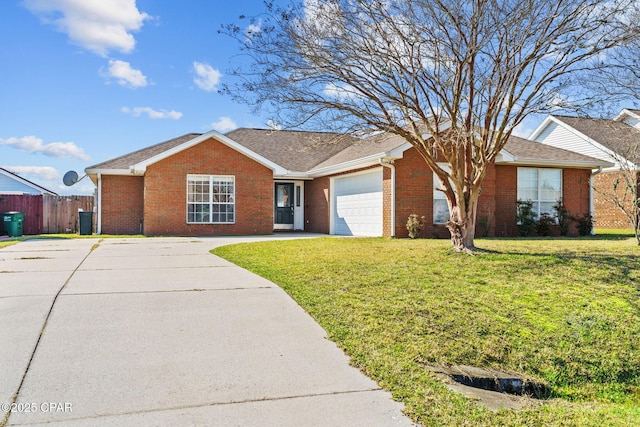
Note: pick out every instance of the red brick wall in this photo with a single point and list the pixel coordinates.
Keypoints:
(316, 205)
(576, 193)
(486, 209)
(122, 204)
(506, 198)
(166, 185)
(607, 215)
(414, 194)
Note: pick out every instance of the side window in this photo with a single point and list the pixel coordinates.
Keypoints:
(441, 212)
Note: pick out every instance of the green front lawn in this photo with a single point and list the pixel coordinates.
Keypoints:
(563, 311)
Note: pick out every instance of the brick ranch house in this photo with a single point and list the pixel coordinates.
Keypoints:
(255, 181)
(611, 140)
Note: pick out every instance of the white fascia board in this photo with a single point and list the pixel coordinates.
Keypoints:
(93, 173)
(548, 120)
(130, 171)
(624, 113)
(588, 139)
(347, 166)
(277, 169)
(505, 157)
(293, 176)
(398, 152)
(555, 163)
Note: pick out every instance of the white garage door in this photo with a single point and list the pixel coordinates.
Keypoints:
(358, 204)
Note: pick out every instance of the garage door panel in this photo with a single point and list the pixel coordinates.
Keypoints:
(358, 205)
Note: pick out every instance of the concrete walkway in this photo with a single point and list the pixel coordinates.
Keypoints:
(160, 332)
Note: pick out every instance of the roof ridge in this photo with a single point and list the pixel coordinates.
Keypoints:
(288, 130)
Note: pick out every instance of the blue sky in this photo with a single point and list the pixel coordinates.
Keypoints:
(83, 81)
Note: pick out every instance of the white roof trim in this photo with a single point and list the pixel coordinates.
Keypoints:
(505, 156)
(537, 131)
(129, 171)
(277, 169)
(577, 164)
(624, 113)
(350, 165)
(576, 132)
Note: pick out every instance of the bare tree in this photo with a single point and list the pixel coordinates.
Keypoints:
(453, 78)
(621, 188)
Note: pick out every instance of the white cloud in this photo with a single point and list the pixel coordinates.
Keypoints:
(340, 92)
(207, 76)
(39, 172)
(224, 124)
(55, 149)
(253, 29)
(125, 75)
(96, 25)
(151, 113)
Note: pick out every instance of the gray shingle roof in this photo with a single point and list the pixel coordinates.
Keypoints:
(614, 135)
(294, 150)
(526, 150)
(300, 151)
(365, 147)
(124, 162)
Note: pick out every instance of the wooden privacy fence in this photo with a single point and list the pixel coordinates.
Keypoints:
(60, 213)
(46, 214)
(30, 205)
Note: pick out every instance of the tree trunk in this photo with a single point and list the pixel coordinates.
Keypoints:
(462, 226)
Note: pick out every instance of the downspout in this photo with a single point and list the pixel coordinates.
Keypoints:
(99, 213)
(389, 164)
(592, 208)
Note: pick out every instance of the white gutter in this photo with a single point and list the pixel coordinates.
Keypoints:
(553, 163)
(99, 213)
(389, 164)
(592, 208)
(347, 166)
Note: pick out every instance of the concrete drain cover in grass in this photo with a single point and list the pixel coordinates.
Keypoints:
(494, 389)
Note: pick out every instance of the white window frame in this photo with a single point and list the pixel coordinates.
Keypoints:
(538, 201)
(438, 194)
(212, 199)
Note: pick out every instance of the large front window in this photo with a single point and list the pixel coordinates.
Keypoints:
(543, 187)
(211, 199)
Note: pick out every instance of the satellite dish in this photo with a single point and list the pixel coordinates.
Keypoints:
(70, 178)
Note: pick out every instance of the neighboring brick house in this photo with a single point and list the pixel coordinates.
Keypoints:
(616, 141)
(255, 181)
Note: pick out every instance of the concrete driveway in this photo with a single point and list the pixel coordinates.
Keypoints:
(160, 332)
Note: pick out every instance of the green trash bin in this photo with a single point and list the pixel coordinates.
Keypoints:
(12, 222)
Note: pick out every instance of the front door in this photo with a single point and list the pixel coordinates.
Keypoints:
(284, 206)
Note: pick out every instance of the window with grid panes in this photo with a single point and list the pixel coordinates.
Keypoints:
(210, 199)
(541, 186)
